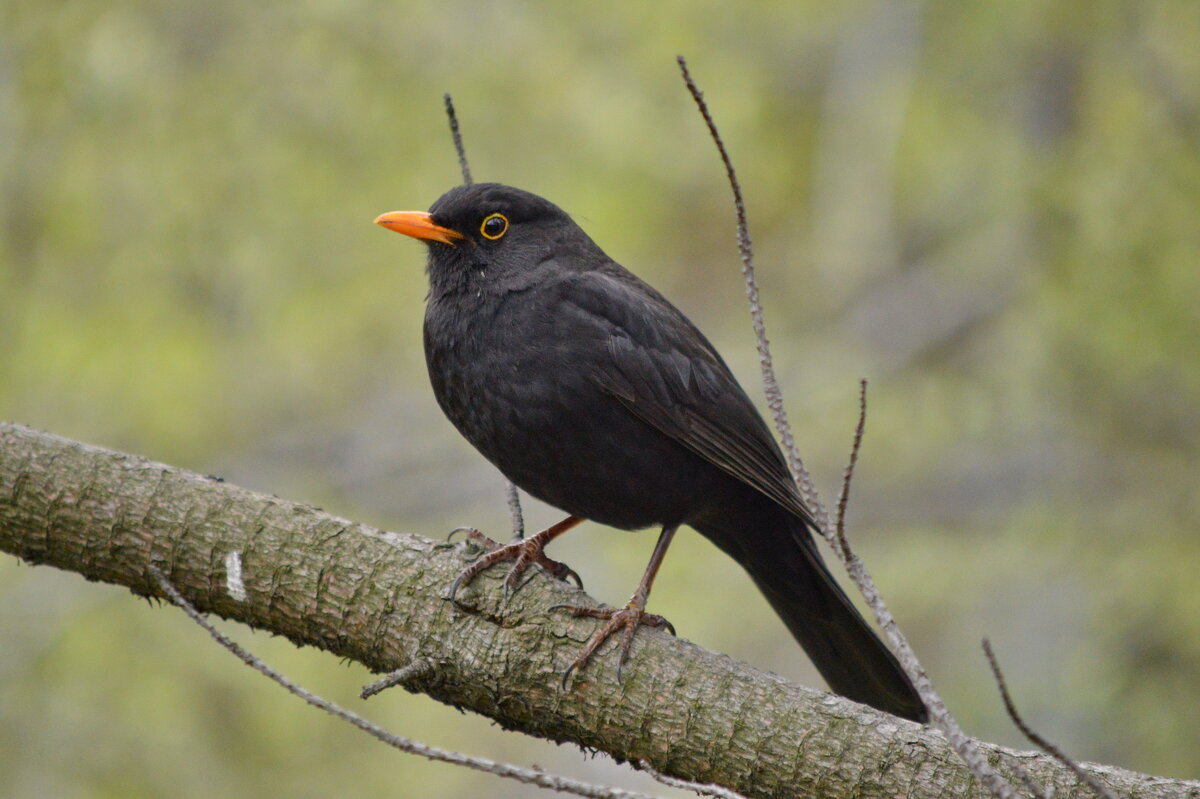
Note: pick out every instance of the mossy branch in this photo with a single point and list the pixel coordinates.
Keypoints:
(377, 597)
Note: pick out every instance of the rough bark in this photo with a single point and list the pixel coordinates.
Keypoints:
(378, 597)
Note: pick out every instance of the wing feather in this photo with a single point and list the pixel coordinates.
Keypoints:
(665, 372)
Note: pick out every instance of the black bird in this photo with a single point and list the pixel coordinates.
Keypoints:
(593, 393)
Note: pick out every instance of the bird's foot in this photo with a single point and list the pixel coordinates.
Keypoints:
(523, 552)
(626, 619)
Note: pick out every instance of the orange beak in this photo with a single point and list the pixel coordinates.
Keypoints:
(419, 225)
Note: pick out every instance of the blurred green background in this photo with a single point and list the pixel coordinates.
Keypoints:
(990, 209)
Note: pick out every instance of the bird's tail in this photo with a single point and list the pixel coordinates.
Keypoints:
(784, 562)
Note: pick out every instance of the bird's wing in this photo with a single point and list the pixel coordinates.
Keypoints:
(665, 372)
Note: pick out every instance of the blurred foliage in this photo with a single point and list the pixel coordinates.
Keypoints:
(988, 208)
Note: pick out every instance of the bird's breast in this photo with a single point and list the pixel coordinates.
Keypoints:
(502, 374)
(516, 380)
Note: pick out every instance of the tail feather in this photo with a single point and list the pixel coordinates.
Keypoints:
(788, 569)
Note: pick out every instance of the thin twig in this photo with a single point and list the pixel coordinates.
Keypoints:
(963, 745)
(848, 475)
(1035, 790)
(416, 670)
(514, 510)
(514, 499)
(770, 384)
(702, 788)
(1034, 738)
(458, 142)
(523, 775)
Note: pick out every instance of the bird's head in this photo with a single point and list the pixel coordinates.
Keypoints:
(496, 234)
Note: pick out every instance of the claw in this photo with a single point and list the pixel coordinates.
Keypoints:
(630, 617)
(458, 581)
(524, 583)
(572, 575)
(626, 619)
(457, 530)
(567, 676)
(524, 552)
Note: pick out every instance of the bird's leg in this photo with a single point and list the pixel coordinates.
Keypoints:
(629, 617)
(524, 552)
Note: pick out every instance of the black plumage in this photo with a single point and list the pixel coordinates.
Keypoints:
(593, 393)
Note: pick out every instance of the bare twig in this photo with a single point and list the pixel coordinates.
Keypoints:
(1034, 738)
(967, 750)
(514, 499)
(770, 384)
(514, 509)
(970, 754)
(1035, 790)
(458, 142)
(413, 671)
(702, 788)
(848, 475)
(523, 775)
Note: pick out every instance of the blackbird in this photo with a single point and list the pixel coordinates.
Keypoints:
(593, 393)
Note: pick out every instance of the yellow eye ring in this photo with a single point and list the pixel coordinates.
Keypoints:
(494, 226)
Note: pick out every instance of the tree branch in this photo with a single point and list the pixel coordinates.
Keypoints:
(528, 776)
(377, 597)
(966, 747)
(1033, 737)
(456, 136)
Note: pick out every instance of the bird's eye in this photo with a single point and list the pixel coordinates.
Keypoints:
(494, 226)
